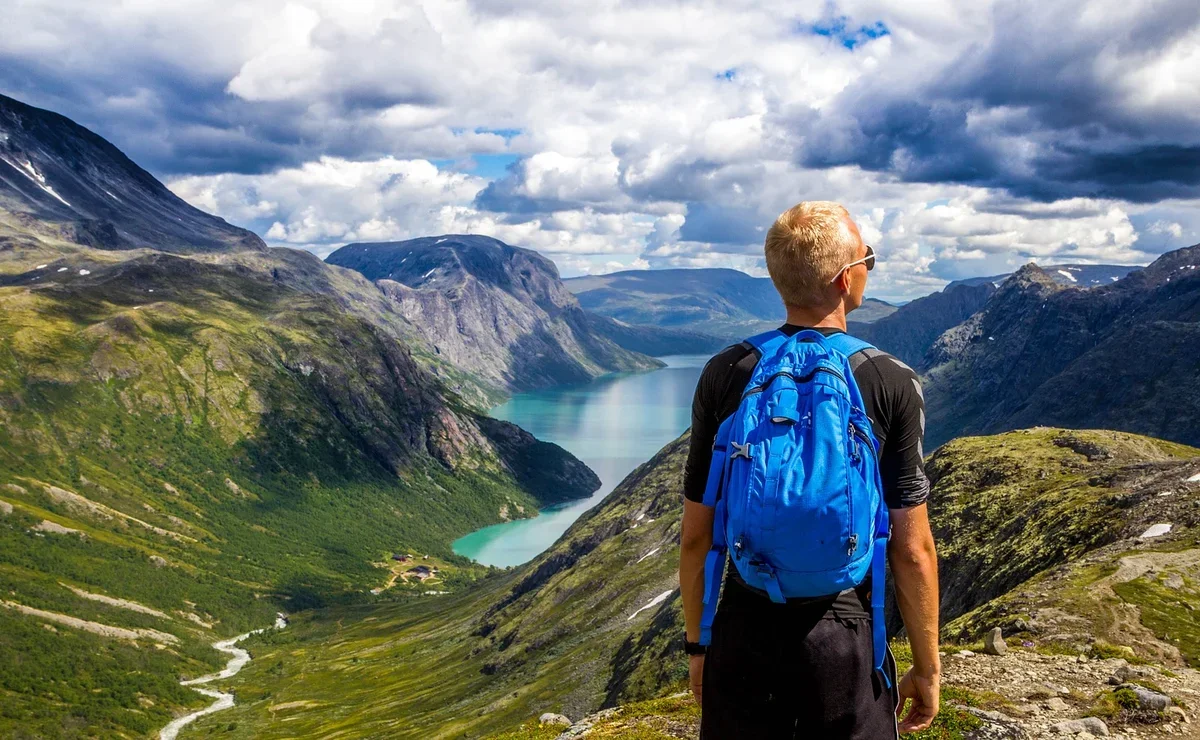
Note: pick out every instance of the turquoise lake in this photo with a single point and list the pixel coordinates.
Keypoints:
(613, 424)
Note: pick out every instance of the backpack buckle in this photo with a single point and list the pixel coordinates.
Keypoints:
(770, 581)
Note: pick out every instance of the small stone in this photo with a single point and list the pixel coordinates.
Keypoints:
(556, 720)
(5, 508)
(1126, 673)
(993, 643)
(1055, 704)
(1175, 714)
(1093, 725)
(157, 562)
(1020, 625)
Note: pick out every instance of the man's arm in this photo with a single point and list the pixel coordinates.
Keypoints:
(695, 537)
(897, 399)
(915, 571)
(695, 542)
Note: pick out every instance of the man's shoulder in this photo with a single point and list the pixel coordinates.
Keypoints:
(876, 366)
(726, 359)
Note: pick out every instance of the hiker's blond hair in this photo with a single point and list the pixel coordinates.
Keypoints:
(805, 248)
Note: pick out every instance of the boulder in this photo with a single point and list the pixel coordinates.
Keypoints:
(554, 720)
(1091, 725)
(1148, 699)
(5, 508)
(1126, 673)
(1175, 714)
(993, 643)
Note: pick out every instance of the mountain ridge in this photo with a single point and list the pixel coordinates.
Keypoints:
(57, 180)
(494, 310)
(1040, 352)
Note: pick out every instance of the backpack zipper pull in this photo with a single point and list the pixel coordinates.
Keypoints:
(853, 545)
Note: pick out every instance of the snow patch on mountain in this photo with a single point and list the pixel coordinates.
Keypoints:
(652, 603)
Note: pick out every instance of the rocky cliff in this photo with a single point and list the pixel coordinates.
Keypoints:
(911, 330)
(498, 312)
(1120, 356)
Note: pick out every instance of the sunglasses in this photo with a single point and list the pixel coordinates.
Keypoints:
(868, 261)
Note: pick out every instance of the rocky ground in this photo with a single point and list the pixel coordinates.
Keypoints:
(1022, 694)
(1027, 694)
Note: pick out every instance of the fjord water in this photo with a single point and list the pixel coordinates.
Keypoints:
(613, 424)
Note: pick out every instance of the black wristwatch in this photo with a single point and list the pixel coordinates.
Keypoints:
(693, 648)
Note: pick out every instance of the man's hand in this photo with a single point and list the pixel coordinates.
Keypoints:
(925, 693)
(696, 675)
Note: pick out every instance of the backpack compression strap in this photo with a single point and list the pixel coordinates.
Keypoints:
(878, 591)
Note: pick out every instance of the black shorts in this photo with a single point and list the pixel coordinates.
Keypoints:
(784, 671)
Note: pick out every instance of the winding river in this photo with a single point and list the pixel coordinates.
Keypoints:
(223, 700)
(613, 424)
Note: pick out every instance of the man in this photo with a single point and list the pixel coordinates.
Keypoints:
(805, 668)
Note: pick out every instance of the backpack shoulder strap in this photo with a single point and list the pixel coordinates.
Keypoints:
(766, 343)
(847, 344)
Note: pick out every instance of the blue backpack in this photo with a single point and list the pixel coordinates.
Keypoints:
(795, 483)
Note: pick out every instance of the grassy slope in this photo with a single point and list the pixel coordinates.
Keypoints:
(1078, 574)
(555, 635)
(228, 446)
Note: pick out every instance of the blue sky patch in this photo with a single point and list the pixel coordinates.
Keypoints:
(848, 36)
(487, 166)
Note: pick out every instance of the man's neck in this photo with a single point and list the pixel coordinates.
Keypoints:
(818, 317)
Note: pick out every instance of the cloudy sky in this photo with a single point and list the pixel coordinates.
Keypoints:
(966, 138)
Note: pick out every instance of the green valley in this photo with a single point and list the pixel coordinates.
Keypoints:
(195, 438)
(593, 622)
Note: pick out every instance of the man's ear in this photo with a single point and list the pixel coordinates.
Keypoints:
(843, 282)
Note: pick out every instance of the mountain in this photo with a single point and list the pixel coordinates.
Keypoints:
(724, 303)
(1120, 356)
(714, 301)
(655, 341)
(63, 183)
(495, 311)
(873, 309)
(909, 331)
(193, 440)
(1082, 276)
(594, 621)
